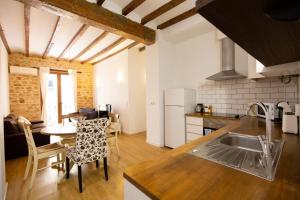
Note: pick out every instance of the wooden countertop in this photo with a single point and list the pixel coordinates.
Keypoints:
(213, 115)
(178, 175)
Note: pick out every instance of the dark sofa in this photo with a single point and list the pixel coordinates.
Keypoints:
(14, 137)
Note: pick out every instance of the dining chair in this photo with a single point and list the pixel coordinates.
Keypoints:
(113, 130)
(38, 153)
(90, 146)
(115, 123)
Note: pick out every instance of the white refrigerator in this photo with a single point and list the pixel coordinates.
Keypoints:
(177, 103)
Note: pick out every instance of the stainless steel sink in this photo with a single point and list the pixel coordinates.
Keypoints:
(241, 152)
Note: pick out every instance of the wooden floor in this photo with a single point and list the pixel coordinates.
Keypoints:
(133, 149)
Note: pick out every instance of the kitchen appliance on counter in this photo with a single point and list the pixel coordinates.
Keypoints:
(272, 107)
(290, 120)
(199, 108)
(290, 123)
(178, 102)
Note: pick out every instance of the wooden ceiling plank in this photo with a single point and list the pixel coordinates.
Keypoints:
(75, 38)
(177, 19)
(100, 2)
(117, 52)
(270, 41)
(131, 6)
(111, 46)
(27, 9)
(3, 38)
(97, 16)
(52, 38)
(161, 10)
(91, 45)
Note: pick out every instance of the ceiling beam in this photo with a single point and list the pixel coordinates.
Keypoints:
(111, 46)
(117, 52)
(27, 27)
(3, 38)
(161, 10)
(96, 41)
(91, 45)
(75, 38)
(97, 16)
(100, 2)
(54, 33)
(177, 19)
(131, 6)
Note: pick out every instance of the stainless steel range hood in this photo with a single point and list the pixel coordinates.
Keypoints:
(228, 63)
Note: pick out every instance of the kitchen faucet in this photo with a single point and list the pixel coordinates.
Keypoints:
(265, 141)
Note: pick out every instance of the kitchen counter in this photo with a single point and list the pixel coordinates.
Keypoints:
(178, 175)
(214, 115)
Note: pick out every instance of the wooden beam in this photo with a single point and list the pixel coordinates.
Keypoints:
(91, 45)
(131, 6)
(161, 10)
(97, 16)
(54, 33)
(75, 38)
(100, 2)
(27, 27)
(115, 53)
(177, 19)
(113, 45)
(3, 38)
(95, 42)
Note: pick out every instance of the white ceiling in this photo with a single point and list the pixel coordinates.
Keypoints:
(42, 24)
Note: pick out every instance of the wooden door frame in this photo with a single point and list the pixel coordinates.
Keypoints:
(59, 96)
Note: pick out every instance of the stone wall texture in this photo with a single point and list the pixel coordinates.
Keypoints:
(25, 97)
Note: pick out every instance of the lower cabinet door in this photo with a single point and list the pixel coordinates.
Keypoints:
(192, 136)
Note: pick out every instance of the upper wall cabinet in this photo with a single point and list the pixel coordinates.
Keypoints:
(253, 66)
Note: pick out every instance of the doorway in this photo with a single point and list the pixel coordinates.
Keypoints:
(60, 97)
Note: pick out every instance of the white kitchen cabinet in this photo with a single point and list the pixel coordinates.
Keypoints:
(252, 68)
(194, 128)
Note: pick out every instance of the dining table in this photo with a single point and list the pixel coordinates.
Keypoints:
(67, 134)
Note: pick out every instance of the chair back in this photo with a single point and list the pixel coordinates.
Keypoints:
(114, 117)
(91, 140)
(29, 139)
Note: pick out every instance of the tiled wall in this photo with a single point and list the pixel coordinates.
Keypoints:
(25, 90)
(234, 96)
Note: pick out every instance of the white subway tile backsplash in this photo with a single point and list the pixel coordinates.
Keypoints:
(256, 90)
(237, 106)
(237, 86)
(263, 96)
(243, 91)
(234, 96)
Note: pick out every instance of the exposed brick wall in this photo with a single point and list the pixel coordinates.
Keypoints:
(25, 90)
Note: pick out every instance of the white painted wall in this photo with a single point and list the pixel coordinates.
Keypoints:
(4, 110)
(162, 73)
(137, 90)
(120, 81)
(200, 57)
(111, 80)
(185, 63)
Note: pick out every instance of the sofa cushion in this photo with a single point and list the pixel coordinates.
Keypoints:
(35, 126)
(10, 126)
(86, 110)
(12, 116)
(92, 115)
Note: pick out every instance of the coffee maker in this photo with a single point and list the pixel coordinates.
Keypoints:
(199, 108)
